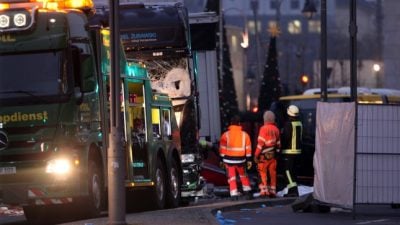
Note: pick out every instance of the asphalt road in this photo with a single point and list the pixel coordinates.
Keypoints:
(258, 212)
(284, 215)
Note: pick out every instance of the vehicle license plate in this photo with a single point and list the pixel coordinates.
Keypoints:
(7, 170)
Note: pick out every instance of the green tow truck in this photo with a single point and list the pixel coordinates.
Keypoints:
(54, 113)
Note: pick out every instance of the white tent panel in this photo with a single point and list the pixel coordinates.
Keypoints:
(334, 153)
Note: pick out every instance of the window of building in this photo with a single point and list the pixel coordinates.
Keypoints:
(271, 24)
(314, 26)
(234, 43)
(273, 4)
(295, 4)
(294, 27)
(251, 26)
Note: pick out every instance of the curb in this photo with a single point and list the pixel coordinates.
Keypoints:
(251, 204)
(191, 215)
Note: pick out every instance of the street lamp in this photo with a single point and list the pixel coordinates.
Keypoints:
(254, 6)
(245, 38)
(309, 9)
(245, 34)
(115, 152)
(377, 68)
(244, 44)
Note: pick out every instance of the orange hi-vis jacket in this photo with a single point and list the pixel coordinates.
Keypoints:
(235, 145)
(268, 139)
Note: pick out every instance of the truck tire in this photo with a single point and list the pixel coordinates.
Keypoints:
(45, 214)
(34, 214)
(174, 186)
(158, 193)
(96, 196)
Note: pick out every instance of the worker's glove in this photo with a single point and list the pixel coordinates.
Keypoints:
(222, 165)
(249, 164)
(256, 159)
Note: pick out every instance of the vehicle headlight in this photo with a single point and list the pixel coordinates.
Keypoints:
(59, 166)
(187, 158)
(4, 21)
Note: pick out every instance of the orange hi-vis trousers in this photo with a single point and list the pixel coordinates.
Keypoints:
(231, 173)
(267, 167)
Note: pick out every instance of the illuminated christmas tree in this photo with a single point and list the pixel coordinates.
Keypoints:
(227, 93)
(270, 89)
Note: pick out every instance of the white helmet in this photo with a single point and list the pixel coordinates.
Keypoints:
(292, 110)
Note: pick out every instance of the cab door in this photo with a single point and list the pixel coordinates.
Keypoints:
(137, 147)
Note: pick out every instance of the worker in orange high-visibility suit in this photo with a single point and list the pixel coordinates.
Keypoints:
(268, 142)
(235, 151)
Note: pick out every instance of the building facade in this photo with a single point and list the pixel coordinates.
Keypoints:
(298, 45)
(299, 42)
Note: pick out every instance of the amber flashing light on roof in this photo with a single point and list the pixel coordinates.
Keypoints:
(65, 4)
(51, 4)
(4, 6)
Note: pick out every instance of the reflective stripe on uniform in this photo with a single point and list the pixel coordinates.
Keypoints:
(235, 146)
(239, 149)
(291, 151)
(233, 161)
(294, 150)
(291, 183)
(294, 130)
(265, 150)
(246, 188)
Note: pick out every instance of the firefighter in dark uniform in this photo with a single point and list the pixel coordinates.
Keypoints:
(291, 140)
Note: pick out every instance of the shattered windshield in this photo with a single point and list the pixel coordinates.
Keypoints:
(170, 76)
(30, 75)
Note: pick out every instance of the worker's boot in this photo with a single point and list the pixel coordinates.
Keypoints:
(248, 195)
(264, 193)
(272, 192)
(234, 198)
(292, 192)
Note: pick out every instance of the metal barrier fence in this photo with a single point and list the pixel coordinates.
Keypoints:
(378, 155)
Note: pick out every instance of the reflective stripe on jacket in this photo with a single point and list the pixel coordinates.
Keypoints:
(268, 139)
(294, 144)
(235, 145)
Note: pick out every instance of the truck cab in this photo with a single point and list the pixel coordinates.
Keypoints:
(55, 110)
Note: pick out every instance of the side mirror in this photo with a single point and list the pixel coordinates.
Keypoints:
(78, 96)
(76, 66)
(85, 81)
(88, 85)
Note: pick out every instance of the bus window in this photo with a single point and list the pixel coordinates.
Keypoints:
(167, 122)
(137, 120)
(155, 120)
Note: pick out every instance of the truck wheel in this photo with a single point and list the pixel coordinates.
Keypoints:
(158, 193)
(33, 214)
(44, 214)
(174, 186)
(96, 192)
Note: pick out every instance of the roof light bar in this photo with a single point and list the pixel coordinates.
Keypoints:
(67, 4)
(48, 4)
(4, 6)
